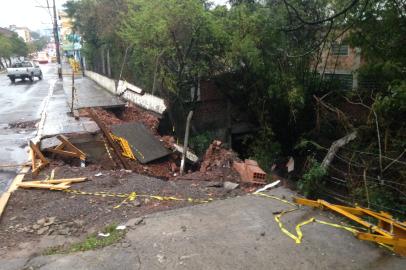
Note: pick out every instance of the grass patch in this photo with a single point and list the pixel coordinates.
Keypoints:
(91, 242)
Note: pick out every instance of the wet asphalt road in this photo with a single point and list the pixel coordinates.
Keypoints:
(21, 102)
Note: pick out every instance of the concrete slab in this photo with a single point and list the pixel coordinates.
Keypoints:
(58, 119)
(90, 94)
(238, 233)
(144, 145)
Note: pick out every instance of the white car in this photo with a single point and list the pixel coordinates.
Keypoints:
(24, 70)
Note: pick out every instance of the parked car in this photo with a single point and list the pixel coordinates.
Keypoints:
(43, 58)
(24, 70)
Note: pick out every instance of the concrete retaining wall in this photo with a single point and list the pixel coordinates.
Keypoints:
(107, 83)
(129, 92)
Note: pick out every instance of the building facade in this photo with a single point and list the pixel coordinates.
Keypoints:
(22, 32)
(340, 62)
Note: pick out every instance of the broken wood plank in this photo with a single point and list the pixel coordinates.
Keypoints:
(42, 186)
(61, 186)
(67, 149)
(58, 181)
(110, 140)
(3, 201)
(37, 157)
(70, 146)
(65, 153)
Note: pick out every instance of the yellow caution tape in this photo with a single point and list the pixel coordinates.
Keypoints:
(299, 234)
(275, 198)
(130, 198)
(107, 149)
(133, 195)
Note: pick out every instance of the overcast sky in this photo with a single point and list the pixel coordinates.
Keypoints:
(25, 13)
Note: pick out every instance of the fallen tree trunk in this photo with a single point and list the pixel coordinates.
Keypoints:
(335, 146)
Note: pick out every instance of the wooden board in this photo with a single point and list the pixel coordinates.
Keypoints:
(43, 186)
(58, 181)
(14, 185)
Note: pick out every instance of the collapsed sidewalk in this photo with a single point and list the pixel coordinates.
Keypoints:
(57, 160)
(106, 191)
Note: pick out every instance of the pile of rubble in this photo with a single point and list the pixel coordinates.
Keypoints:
(217, 165)
(131, 141)
(217, 157)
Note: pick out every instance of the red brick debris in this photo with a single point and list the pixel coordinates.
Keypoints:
(217, 157)
(250, 171)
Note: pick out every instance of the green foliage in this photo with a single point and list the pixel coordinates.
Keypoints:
(312, 179)
(381, 198)
(268, 56)
(392, 106)
(201, 142)
(98, 22)
(38, 44)
(5, 46)
(179, 40)
(12, 46)
(265, 149)
(91, 242)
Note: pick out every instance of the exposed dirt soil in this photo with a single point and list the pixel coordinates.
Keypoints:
(135, 114)
(76, 215)
(107, 117)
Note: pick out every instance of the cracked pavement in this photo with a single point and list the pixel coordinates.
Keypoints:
(237, 233)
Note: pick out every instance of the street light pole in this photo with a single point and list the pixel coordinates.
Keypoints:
(57, 44)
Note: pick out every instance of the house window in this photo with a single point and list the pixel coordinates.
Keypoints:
(340, 81)
(339, 49)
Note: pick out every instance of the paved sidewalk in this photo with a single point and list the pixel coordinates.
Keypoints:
(88, 93)
(238, 233)
(58, 119)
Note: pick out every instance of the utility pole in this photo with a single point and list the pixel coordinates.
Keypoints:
(56, 38)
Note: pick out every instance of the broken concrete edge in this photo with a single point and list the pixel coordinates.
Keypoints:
(136, 96)
(50, 141)
(44, 107)
(124, 85)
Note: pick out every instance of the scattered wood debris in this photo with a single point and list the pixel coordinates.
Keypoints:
(38, 160)
(53, 184)
(67, 149)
